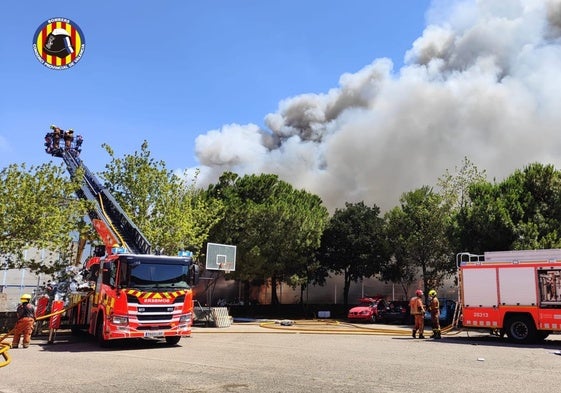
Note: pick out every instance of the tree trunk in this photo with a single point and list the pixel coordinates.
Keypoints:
(426, 289)
(404, 287)
(246, 288)
(302, 289)
(346, 288)
(274, 296)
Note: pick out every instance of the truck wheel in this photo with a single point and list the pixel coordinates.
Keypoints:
(103, 343)
(172, 340)
(521, 329)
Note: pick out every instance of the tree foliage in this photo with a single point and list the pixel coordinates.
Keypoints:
(418, 237)
(454, 187)
(275, 228)
(38, 209)
(353, 243)
(171, 212)
(521, 212)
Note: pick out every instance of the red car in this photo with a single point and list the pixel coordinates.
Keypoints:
(369, 310)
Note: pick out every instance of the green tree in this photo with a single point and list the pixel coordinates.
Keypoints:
(454, 187)
(353, 244)
(455, 191)
(169, 210)
(485, 224)
(521, 212)
(417, 234)
(38, 209)
(275, 228)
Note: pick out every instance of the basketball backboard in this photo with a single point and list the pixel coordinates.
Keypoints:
(220, 257)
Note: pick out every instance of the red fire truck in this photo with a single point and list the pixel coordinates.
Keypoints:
(517, 293)
(133, 294)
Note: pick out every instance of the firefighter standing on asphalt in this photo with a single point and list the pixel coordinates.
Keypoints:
(434, 308)
(26, 320)
(418, 311)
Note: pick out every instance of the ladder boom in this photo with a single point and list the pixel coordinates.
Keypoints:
(107, 209)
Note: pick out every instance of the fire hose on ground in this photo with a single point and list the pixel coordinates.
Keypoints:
(53, 316)
(283, 326)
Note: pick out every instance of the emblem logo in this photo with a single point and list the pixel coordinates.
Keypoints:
(59, 43)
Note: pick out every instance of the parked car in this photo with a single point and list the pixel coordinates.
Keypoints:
(368, 310)
(447, 308)
(397, 312)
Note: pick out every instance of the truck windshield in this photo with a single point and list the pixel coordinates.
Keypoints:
(154, 274)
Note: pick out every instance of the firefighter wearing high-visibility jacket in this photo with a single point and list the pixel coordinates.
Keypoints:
(417, 309)
(26, 320)
(434, 308)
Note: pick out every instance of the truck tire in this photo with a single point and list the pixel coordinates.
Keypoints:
(172, 340)
(102, 342)
(521, 329)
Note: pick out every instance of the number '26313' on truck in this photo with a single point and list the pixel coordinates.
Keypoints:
(517, 293)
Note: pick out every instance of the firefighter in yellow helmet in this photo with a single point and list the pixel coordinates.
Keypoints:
(26, 319)
(417, 309)
(434, 308)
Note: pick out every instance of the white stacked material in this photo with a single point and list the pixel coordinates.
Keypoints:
(221, 317)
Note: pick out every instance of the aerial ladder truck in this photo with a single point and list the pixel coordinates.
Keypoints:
(132, 293)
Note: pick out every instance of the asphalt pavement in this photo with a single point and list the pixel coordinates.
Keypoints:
(272, 356)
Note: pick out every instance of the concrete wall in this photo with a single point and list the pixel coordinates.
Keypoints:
(331, 293)
(7, 322)
(15, 282)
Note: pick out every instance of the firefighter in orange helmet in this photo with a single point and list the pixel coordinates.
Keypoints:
(68, 137)
(57, 135)
(434, 308)
(26, 320)
(418, 311)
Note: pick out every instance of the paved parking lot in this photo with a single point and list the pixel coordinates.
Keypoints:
(254, 358)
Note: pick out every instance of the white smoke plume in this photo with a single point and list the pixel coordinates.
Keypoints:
(483, 81)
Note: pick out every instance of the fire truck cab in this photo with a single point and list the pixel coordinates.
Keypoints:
(517, 293)
(136, 296)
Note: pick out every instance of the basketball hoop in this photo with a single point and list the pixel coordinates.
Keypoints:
(221, 257)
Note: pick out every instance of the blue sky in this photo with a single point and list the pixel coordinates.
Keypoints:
(360, 100)
(169, 72)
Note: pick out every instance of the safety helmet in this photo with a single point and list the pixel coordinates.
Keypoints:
(432, 293)
(419, 293)
(59, 43)
(25, 297)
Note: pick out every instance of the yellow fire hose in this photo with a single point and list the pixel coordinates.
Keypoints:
(4, 347)
(336, 327)
(312, 327)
